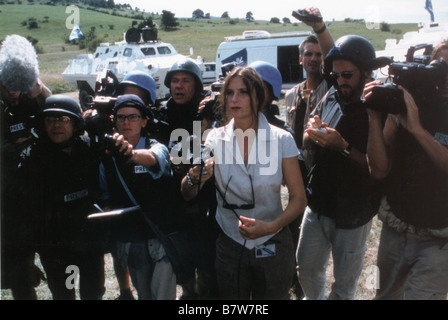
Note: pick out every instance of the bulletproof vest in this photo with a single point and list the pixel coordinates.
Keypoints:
(153, 196)
(59, 189)
(18, 121)
(338, 188)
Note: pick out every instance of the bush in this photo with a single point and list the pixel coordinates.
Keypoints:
(385, 27)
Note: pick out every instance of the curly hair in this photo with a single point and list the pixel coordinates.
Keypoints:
(19, 67)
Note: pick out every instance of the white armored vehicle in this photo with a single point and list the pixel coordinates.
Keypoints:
(139, 51)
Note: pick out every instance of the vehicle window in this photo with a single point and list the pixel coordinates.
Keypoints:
(148, 51)
(164, 50)
(127, 52)
(209, 67)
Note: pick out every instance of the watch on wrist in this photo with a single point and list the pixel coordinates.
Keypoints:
(189, 181)
(347, 151)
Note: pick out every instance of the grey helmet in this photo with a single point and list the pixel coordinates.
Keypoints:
(356, 49)
(189, 66)
(59, 104)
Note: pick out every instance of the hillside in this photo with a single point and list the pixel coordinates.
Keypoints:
(204, 36)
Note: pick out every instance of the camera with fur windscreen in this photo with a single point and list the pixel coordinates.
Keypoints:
(419, 75)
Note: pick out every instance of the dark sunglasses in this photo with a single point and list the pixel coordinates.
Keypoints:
(247, 206)
(344, 74)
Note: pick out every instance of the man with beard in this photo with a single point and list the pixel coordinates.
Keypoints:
(342, 197)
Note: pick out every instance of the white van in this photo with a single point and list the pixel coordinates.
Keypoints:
(280, 49)
(208, 76)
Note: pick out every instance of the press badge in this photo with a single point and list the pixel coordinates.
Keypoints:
(265, 250)
(76, 195)
(17, 127)
(140, 169)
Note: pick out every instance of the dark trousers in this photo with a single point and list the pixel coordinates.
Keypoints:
(57, 259)
(242, 275)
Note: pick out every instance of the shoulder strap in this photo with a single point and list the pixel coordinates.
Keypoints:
(124, 183)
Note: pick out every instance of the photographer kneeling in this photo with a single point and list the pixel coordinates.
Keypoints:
(410, 154)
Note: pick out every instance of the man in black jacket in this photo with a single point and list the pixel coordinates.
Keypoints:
(185, 110)
(341, 194)
(54, 190)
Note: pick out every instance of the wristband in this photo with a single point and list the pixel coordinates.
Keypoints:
(189, 181)
(347, 151)
(321, 29)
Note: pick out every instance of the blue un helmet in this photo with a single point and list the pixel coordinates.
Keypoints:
(270, 74)
(142, 80)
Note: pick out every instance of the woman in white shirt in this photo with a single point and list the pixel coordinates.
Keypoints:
(254, 253)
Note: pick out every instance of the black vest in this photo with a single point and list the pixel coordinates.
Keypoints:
(416, 189)
(154, 196)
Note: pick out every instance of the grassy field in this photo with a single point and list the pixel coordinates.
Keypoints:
(204, 36)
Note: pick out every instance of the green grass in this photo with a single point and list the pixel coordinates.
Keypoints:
(204, 36)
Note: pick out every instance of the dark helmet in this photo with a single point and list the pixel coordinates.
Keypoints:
(131, 100)
(270, 74)
(142, 80)
(188, 66)
(356, 49)
(59, 104)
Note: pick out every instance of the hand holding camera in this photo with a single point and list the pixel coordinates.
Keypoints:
(118, 146)
(308, 15)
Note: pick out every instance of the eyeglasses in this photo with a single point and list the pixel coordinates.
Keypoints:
(344, 74)
(247, 206)
(132, 117)
(64, 120)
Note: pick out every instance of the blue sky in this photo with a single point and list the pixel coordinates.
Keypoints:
(371, 10)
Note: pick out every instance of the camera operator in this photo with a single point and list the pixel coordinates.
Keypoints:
(54, 190)
(22, 96)
(409, 154)
(143, 164)
(143, 85)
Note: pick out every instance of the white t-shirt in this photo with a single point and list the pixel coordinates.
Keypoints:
(263, 174)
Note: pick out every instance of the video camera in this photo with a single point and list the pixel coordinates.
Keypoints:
(98, 116)
(225, 69)
(210, 111)
(418, 75)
